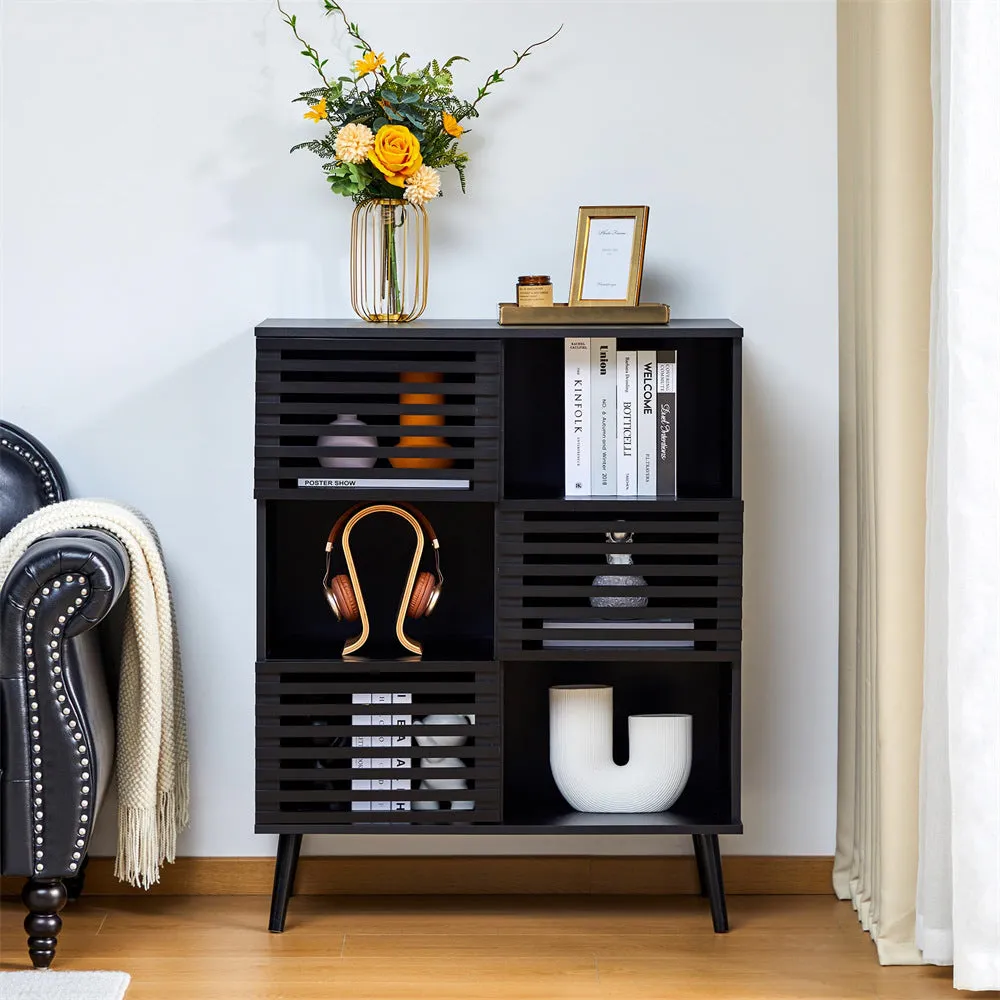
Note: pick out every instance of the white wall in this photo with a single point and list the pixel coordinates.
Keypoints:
(152, 215)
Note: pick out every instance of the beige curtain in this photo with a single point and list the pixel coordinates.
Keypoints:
(885, 142)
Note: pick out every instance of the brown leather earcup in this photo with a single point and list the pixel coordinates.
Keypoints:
(341, 589)
(420, 598)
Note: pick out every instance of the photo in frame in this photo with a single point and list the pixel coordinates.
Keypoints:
(607, 260)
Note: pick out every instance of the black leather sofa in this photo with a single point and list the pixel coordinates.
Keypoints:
(57, 729)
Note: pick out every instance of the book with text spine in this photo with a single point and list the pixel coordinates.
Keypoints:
(399, 744)
(666, 423)
(382, 716)
(603, 394)
(627, 425)
(646, 417)
(361, 763)
(578, 416)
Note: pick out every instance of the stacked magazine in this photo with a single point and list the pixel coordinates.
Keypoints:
(621, 419)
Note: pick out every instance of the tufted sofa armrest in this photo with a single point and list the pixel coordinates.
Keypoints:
(57, 730)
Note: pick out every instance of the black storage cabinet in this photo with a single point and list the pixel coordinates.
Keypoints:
(515, 551)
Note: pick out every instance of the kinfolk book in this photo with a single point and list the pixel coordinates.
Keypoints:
(627, 424)
(578, 416)
(603, 386)
(666, 423)
(646, 417)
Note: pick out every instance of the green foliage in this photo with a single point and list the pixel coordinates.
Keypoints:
(390, 95)
(347, 178)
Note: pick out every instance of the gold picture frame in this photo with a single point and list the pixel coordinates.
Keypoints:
(599, 264)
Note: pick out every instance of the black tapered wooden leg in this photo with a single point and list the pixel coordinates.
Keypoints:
(713, 877)
(44, 898)
(285, 863)
(699, 857)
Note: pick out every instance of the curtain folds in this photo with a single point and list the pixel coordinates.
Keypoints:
(885, 142)
(958, 895)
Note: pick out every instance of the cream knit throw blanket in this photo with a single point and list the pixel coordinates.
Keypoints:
(151, 753)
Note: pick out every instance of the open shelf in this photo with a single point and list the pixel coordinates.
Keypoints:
(709, 692)
(296, 621)
(708, 414)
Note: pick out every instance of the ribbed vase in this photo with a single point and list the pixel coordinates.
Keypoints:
(580, 753)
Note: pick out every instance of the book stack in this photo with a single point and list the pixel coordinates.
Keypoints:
(384, 712)
(621, 419)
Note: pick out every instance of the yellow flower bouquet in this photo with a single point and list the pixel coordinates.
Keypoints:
(389, 129)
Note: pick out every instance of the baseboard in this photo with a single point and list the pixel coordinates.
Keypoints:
(320, 876)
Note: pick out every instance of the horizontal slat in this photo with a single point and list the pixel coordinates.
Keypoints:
(487, 751)
(648, 591)
(384, 343)
(485, 365)
(484, 730)
(515, 651)
(292, 430)
(590, 569)
(510, 548)
(318, 472)
(639, 528)
(486, 408)
(489, 771)
(266, 797)
(395, 389)
(383, 451)
(301, 821)
(511, 609)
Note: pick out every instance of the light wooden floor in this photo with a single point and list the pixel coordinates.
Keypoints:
(462, 948)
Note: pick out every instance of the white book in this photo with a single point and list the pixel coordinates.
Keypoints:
(627, 425)
(603, 396)
(361, 763)
(646, 407)
(399, 744)
(382, 716)
(578, 407)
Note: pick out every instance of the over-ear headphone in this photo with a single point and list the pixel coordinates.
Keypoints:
(421, 593)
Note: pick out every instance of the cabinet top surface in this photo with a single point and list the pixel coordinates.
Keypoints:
(486, 329)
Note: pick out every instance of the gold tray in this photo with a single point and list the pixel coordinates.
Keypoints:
(561, 314)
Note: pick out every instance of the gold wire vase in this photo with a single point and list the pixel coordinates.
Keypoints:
(390, 248)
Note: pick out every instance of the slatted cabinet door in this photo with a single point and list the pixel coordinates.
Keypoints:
(338, 744)
(303, 385)
(686, 570)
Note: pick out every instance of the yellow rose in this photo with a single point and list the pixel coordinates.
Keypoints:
(450, 124)
(396, 153)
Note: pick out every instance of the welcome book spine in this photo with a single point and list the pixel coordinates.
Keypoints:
(578, 416)
(646, 407)
(603, 383)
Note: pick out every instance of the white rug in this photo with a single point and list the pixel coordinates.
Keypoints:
(45, 984)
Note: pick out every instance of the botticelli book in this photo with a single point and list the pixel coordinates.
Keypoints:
(627, 425)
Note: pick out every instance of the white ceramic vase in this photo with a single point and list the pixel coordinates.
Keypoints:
(580, 754)
(347, 441)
